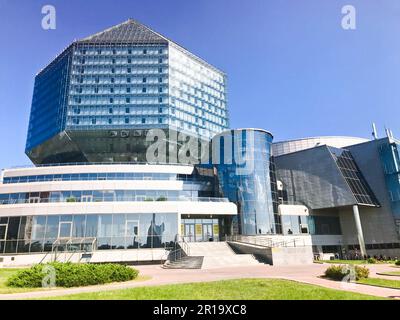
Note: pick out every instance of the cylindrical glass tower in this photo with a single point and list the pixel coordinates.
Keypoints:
(242, 158)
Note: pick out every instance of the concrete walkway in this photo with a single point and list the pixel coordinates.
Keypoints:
(309, 274)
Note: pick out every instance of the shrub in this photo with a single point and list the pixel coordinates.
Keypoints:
(371, 260)
(361, 272)
(338, 272)
(397, 263)
(73, 275)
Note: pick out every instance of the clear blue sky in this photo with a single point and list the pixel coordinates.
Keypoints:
(291, 68)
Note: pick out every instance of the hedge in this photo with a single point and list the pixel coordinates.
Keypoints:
(397, 263)
(338, 272)
(72, 275)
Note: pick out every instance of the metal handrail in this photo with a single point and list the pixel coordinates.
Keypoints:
(265, 242)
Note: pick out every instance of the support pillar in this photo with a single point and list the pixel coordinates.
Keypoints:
(360, 235)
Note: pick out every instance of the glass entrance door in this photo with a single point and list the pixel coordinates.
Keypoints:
(189, 233)
(207, 232)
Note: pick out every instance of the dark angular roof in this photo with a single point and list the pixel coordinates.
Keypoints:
(129, 31)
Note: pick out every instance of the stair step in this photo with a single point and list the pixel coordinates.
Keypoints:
(184, 263)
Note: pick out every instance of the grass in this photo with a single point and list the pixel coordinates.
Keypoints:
(386, 283)
(240, 289)
(355, 262)
(5, 273)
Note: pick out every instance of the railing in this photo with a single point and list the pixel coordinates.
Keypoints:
(97, 163)
(106, 199)
(98, 177)
(266, 242)
(181, 249)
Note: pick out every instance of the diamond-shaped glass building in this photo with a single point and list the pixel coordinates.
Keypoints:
(97, 100)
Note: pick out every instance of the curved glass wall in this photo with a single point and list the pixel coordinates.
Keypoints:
(30, 234)
(98, 176)
(243, 162)
(107, 196)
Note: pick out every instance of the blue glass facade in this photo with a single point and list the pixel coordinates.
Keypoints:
(389, 152)
(95, 102)
(49, 102)
(244, 171)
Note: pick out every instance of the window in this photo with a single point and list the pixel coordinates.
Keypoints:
(109, 121)
(112, 80)
(114, 51)
(159, 70)
(112, 90)
(143, 120)
(144, 90)
(159, 110)
(97, 80)
(99, 51)
(126, 120)
(112, 70)
(128, 100)
(144, 80)
(110, 110)
(127, 110)
(129, 60)
(159, 120)
(75, 121)
(144, 51)
(160, 99)
(129, 70)
(160, 60)
(111, 100)
(77, 111)
(160, 80)
(160, 89)
(94, 121)
(83, 70)
(129, 51)
(96, 90)
(128, 90)
(128, 80)
(113, 61)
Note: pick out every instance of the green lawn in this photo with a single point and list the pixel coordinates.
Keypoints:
(241, 289)
(355, 262)
(395, 284)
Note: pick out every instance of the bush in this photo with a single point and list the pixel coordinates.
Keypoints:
(72, 275)
(397, 263)
(371, 260)
(339, 272)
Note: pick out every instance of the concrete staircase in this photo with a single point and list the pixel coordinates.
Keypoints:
(219, 254)
(184, 263)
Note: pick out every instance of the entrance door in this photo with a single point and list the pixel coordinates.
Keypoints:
(189, 233)
(207, 232)
(65, 229)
